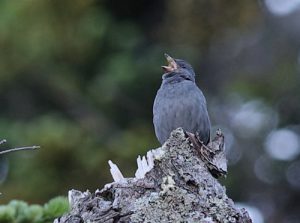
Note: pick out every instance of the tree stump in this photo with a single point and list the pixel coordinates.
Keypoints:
(175, 183)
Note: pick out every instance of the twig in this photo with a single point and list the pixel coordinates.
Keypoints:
(18, 149)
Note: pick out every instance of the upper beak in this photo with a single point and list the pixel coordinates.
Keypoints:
(171, 64)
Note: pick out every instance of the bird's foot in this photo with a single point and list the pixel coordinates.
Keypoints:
(204, 150)
(194, 139)
(208, 155)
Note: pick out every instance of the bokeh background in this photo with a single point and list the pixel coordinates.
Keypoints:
(79, 78)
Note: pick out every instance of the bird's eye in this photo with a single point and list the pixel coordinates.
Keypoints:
(185, 77)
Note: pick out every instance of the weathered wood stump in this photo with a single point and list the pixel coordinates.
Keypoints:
(175, 183)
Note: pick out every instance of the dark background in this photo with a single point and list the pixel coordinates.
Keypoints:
(79, 78)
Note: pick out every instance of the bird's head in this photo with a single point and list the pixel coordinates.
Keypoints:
(178, 69)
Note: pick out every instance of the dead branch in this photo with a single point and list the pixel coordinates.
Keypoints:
(16, 149)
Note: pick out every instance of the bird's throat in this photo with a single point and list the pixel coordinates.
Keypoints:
(174, 77)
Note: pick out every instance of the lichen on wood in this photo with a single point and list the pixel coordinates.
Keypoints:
(180, 187)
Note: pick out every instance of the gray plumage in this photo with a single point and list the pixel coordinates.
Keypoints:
(180, 103)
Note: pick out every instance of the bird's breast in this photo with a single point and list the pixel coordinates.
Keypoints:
(179, 105)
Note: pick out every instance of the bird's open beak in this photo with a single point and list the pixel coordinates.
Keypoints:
(171, 64)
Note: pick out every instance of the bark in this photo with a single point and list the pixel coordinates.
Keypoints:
(176, 183)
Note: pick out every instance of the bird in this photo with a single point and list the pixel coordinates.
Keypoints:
(180, 103)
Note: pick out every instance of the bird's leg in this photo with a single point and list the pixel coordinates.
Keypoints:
(206, 147)
(205, 152)
(194, 140)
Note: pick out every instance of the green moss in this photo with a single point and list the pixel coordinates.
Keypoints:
(20, 212)
(56, 207)
(7, 213)
(33, 213)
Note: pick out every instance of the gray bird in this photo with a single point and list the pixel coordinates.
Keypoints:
(180, 103)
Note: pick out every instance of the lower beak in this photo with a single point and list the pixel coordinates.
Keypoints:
(171, 64)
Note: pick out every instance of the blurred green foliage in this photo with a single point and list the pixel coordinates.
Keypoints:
(17, 211)
(67, 76)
